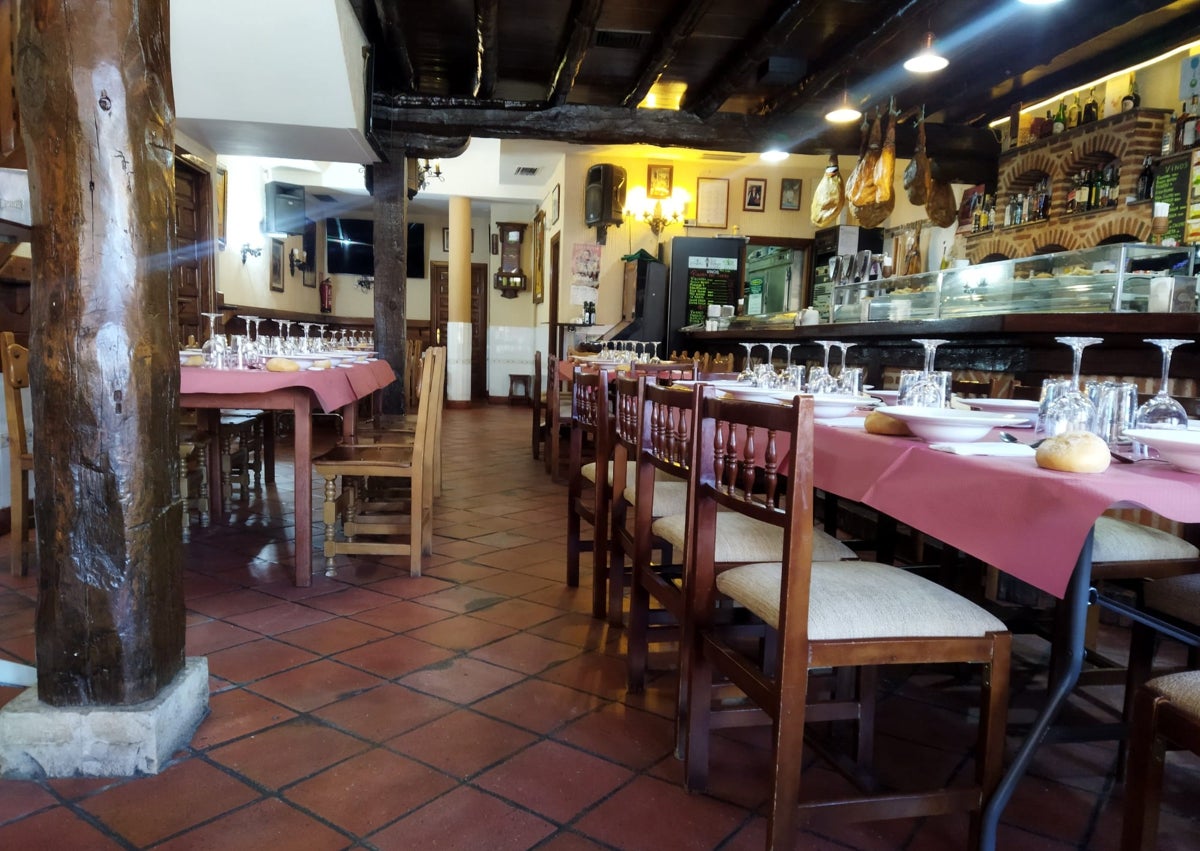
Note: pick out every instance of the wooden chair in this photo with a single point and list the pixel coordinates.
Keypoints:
(20, 457)
(558, 416)
(193, 468)
(368, 503)
(969, 389)
(845, 615)
(538, 435)
(590, 484)
(663, 460)
(1166, 716)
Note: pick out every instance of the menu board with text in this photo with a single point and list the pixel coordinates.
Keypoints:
(1171, 184)
(711, 280)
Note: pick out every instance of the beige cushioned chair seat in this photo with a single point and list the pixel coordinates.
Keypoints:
(1183, 690)
(670, 494)
(1177, 596)
(588, 471)
(742, 538)
(1121, 540)
(863, 599)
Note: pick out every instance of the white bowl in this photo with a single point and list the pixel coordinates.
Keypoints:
(949, 425)
(1179, 446)
(1020, 407)
(828, 406)
(888, 397)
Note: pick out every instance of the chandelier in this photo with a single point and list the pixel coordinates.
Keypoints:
(429, 171)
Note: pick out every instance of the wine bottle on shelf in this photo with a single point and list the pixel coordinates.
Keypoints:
(1091, 110)
(1145, 180)
(1132, 98)
(1073, 195)
(1073, 112)
(1060, 118)
(1188, 136)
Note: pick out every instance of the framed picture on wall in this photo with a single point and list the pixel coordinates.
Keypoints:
(221, 192)
(446, 240)
(712, 202)
(789, 193)
(755, 197)
(659, 182)
(277, 265)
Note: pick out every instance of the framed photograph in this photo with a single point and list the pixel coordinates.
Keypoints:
(495, 243)
(446, 240)
(659, 182)
(754, 198)
(277, 265)
(712, 202)
(221, 194)
(789, 193)
(539, 257)
(555, 203)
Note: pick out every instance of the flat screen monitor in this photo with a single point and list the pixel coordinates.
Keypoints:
(350, 246)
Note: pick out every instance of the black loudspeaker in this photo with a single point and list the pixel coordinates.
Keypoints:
(284, 209)
(604, 195)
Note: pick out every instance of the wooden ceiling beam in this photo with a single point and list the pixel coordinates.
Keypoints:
(399, 59)
(666, 47)
(585, 14)
(772, 31)
(486, 16)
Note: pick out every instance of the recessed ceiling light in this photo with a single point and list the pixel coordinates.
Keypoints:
(1040, 2)
(927, 60)
(774, 156)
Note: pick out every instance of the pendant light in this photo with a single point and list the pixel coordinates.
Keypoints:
(927, 60)
(1040, 2)
(844, 112)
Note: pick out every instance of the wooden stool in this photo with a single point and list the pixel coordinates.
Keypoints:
(519, 385)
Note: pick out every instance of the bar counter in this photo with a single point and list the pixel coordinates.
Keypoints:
(1021, 344)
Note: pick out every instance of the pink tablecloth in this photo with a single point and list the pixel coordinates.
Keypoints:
(332, 388)
(1008, 512)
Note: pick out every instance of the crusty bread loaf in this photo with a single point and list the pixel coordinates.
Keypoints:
(324, 363)
(880, 423)
(193, 360)
(282, 365)
(1074, 452)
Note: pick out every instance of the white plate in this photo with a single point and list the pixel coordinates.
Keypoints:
(949, 425)
(827, 406)
(1179, 446)
(888, 397)
(1022, 407)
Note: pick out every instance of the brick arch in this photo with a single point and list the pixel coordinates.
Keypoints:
(1034, 161)
(992, 245)
(1063, 236)
(1125, 223)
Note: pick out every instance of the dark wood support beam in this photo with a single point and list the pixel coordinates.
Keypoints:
(768, 35)
(396, 43)
(582, 24)
(391, 230)
(97, 116)
(666, 46)
(486, 13)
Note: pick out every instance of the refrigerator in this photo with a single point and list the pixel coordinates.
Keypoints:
(832, 242)
(704, 271)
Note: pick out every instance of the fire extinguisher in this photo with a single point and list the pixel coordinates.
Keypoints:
(326, 296)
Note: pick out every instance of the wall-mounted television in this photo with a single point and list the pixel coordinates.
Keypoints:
(350, 246)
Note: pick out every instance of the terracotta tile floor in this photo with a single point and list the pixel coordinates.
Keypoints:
(480, 706)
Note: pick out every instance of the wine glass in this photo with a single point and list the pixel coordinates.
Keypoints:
(1161, 411)
(1073, 410)
(928, 391)
(654, 357)
(214, 347)
(819, 379)
(747, 373)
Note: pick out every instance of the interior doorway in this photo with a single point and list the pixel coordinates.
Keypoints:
(192, 257)
(439, 316)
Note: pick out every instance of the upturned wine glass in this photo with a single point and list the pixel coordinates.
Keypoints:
(928, 391)
(1073, 410)
(214, 347)
(821, 381)
(1161, 411)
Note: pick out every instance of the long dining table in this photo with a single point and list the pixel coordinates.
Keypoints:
(334, 390)
(1031, 523)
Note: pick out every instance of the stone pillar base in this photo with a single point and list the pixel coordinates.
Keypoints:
(38, 740)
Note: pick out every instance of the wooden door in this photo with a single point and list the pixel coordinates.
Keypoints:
(479, 331)
(192, 263)
(553, 345)
(439, 301)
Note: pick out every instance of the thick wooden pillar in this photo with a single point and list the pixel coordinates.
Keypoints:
(391, 283)
(97, 113)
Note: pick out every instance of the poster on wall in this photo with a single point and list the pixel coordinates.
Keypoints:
(585, 272)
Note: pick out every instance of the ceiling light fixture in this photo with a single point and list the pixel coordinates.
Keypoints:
(428, 171)
(927, 60)
(1040, 2)
(773, 156)
(844, 112)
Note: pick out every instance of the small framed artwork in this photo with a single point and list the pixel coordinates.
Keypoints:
(712, 202)
(755, 197)
(446, 240)
(659, 181)
(221, 190)
(555, 202)
(789, 193)
(495, 243)
(277, 265)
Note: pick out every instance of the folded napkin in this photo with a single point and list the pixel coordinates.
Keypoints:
(844, 422)
(1003, 450)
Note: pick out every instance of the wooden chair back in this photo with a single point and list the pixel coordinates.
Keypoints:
(538, 391)
(15, 358)
(664, 371)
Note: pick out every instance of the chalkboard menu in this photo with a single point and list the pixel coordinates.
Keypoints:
(1171, 182)
(711, 280)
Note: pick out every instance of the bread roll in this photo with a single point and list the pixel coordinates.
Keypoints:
(1074, 452)
(282, 365)
(322, 364)
(194, 360)
(879, 423)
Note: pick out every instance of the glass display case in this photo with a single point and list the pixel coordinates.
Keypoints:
(1126, 277)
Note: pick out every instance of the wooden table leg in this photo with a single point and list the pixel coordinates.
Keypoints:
(303, 488)
(268, 449)
(209, 420)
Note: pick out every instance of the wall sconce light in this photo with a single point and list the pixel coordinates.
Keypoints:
(659, 213)
(429, 171)
(246, 249)
(297, 259)
(365, 283)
